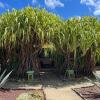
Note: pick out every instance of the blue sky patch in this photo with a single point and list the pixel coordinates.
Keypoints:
(63, 8)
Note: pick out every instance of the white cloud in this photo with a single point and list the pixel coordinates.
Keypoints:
(93, 4)
(2, 5)
(34, 1)
(88, 2)
(54, 3)
(97, 12)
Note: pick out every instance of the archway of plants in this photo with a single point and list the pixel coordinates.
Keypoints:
(23, 34)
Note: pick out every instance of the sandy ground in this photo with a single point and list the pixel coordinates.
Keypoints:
(60, 94)
(53, 92)
(54, 88)
(64, 93)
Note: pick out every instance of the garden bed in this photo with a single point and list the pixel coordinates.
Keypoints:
(89, 92)
(12, 94)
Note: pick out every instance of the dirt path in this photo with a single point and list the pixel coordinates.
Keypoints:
(55, 89)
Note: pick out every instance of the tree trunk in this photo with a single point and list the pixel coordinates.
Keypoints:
(89, 62)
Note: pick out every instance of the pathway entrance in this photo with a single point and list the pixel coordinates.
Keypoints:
(55, 88)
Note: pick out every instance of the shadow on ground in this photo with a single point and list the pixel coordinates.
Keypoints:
(51, 79)
(46, 79)
(14, 84)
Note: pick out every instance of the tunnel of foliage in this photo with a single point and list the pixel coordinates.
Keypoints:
(73, 43)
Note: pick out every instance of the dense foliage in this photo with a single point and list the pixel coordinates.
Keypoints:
(23, 33)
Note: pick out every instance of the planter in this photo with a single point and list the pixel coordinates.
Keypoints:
(30, 75)
(70, 73)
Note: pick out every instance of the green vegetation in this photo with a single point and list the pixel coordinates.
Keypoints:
(28, 96)
(4, 78)
(23, 33)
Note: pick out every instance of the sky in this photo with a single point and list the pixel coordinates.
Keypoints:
(64, 8)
